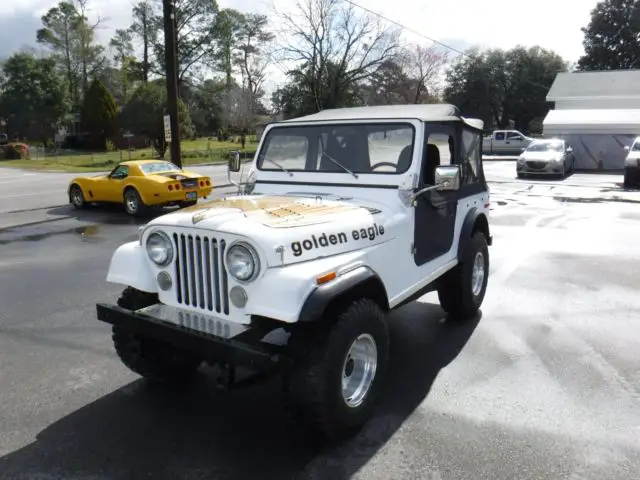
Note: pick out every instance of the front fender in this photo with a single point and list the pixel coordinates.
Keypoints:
(282, 292)
(129, 266)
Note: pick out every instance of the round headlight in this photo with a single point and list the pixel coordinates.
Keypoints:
(159, 248)
(242, 262)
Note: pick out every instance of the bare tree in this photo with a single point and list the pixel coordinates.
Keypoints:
(425, 66)
(335, 47)
(252, 58)
(145, 26)
(238, 112)
(90, 54)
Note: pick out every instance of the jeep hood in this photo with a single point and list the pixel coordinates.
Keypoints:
(289, 229)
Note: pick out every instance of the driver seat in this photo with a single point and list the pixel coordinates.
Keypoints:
(432, 161)
(404, 159)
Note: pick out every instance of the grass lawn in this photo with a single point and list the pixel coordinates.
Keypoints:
(197, 151)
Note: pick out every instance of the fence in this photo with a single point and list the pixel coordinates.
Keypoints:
(192, 152)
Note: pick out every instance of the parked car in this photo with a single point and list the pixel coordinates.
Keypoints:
(139, 184)
(546, 157)
(505, 142)
(632, 165)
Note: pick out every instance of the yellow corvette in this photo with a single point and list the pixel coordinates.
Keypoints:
(139, 184)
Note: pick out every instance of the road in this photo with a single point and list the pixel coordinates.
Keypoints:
(545, 385)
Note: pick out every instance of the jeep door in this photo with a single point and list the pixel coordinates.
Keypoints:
(435, 211)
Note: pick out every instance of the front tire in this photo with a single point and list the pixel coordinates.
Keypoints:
(463, 288)
(148, 357)
(76, 197)
(338, 375)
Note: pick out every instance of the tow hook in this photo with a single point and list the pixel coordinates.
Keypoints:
(225, 376)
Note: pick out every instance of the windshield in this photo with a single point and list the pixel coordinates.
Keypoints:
(636, 147)
(545, 147)
(157, 167)
(353, 149)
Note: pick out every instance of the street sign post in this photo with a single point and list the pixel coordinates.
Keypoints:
(167, 128)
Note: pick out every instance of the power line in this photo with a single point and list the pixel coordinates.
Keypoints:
(449, 47)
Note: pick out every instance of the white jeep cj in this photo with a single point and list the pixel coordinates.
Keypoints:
(346, 214)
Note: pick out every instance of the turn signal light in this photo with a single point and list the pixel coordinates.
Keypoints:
(170, 187)
(327, 277)
(207, 183)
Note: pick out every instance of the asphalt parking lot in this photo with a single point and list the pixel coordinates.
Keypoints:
(545, 385)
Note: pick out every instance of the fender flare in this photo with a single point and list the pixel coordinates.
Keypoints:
(320, 298)
(129, 267)
(473, 220)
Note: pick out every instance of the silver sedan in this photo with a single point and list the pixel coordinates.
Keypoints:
(546, 157)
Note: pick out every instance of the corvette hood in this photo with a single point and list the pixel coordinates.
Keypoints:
(289, 229)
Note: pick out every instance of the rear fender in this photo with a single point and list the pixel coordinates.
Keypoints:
(129, 266)
(474, 220)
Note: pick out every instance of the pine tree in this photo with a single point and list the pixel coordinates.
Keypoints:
(99, 112)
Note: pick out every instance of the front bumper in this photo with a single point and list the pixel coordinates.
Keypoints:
(212, 338)
(539, 168)
(631, 176)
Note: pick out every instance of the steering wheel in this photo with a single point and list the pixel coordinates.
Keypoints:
(383, 164)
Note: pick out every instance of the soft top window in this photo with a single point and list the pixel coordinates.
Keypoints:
(357, 148)
(157, 167)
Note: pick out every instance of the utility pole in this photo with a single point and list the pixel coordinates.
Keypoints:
(170, 55)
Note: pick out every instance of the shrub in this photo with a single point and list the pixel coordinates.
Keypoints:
(15, 151)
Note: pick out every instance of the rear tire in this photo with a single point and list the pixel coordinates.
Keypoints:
(150, 358)
(338, 374)
(133, 204)
(463, 288)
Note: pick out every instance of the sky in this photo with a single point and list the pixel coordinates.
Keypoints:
(457, 23)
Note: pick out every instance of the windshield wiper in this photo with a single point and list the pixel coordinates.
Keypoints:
(277, 165)
(339, 164)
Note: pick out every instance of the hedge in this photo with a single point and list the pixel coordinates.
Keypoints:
(15, 151)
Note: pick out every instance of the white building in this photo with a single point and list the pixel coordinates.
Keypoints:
(597, 113)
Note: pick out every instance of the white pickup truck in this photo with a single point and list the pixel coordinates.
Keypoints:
(505, 142)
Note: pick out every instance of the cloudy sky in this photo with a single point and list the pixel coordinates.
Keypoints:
(551, 24)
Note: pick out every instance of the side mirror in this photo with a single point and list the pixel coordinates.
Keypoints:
(447, 177)
(522, 149)
(569, 150)
(627, 148)
(234, 162)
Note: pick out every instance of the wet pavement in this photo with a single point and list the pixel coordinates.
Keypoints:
(544, 385)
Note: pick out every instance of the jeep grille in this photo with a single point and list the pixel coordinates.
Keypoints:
(201, 279)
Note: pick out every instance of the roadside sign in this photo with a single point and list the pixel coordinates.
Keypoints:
(167, 128)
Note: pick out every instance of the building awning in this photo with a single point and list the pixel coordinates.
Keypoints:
(596, 121)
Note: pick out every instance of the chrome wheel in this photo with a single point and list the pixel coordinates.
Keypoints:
(131, 201)
(359, 370)
(76, 197)
(477, 274)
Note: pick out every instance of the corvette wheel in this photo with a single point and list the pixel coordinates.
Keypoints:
(76, 197)
(133, 204)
